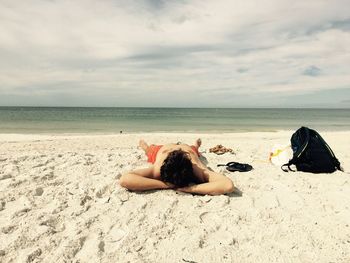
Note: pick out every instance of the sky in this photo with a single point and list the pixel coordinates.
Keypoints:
(175, 53)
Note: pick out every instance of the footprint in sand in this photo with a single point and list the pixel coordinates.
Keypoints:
(221, 237)
(74, 247)
(21, 212)
(54, 223)
(8, 229)
(48, 176)
(103, 191)
(85, 199)
(114, 239)
(118, 176)
(38, 191)
(2, 205)
(9, 171)
(101, 247)
(5, 176)
(123, 196)
(33, 255)
(41, 164)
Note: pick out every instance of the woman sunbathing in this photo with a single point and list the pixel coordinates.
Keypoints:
(176, 166)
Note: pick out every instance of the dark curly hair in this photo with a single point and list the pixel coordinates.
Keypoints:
(177, 169)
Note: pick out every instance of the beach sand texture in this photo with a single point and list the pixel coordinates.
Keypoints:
(60, 202)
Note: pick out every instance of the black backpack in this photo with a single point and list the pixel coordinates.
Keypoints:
(311, 153)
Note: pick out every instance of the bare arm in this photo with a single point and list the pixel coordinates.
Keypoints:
(142, 179)
(216, 184)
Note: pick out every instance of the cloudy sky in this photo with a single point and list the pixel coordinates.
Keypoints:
(175, 53)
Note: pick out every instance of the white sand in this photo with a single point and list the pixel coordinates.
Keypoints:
(60, 202)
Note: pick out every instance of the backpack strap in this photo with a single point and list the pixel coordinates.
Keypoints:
(288, 166)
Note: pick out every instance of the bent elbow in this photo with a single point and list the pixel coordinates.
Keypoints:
(229, 187)
(124, 181)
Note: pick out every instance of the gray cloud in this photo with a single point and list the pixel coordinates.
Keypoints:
(161, 4)
(312, 71)
(168, 52)
(242, 70)
(341, 24)
(153, 52)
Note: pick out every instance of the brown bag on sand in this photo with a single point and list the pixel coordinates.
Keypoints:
(220, 149)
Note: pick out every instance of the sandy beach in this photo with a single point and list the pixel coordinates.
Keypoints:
(60, 201)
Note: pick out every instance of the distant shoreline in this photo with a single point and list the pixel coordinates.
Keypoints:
(145, 107)
(13, 137)
(48, 120)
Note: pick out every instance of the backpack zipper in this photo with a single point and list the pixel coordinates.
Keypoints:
(329, 150)
(303, 149)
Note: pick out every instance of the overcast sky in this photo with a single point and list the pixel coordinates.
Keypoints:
(175, 53)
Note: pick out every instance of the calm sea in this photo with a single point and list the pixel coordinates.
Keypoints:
(114, 120)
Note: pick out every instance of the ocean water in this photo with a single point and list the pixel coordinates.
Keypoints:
(135, 120)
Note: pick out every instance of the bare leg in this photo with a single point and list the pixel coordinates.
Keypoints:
(198, 143)
(144, 146)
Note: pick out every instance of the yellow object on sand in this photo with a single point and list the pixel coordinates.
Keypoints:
(280, 155)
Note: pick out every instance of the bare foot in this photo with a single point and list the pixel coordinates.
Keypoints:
(198, 143)
(144, 146)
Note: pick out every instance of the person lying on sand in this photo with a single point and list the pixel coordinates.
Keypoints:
(178, 167)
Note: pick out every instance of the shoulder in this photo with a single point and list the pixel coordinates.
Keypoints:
(156, 171)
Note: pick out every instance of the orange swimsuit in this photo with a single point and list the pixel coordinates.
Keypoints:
(154, 149)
